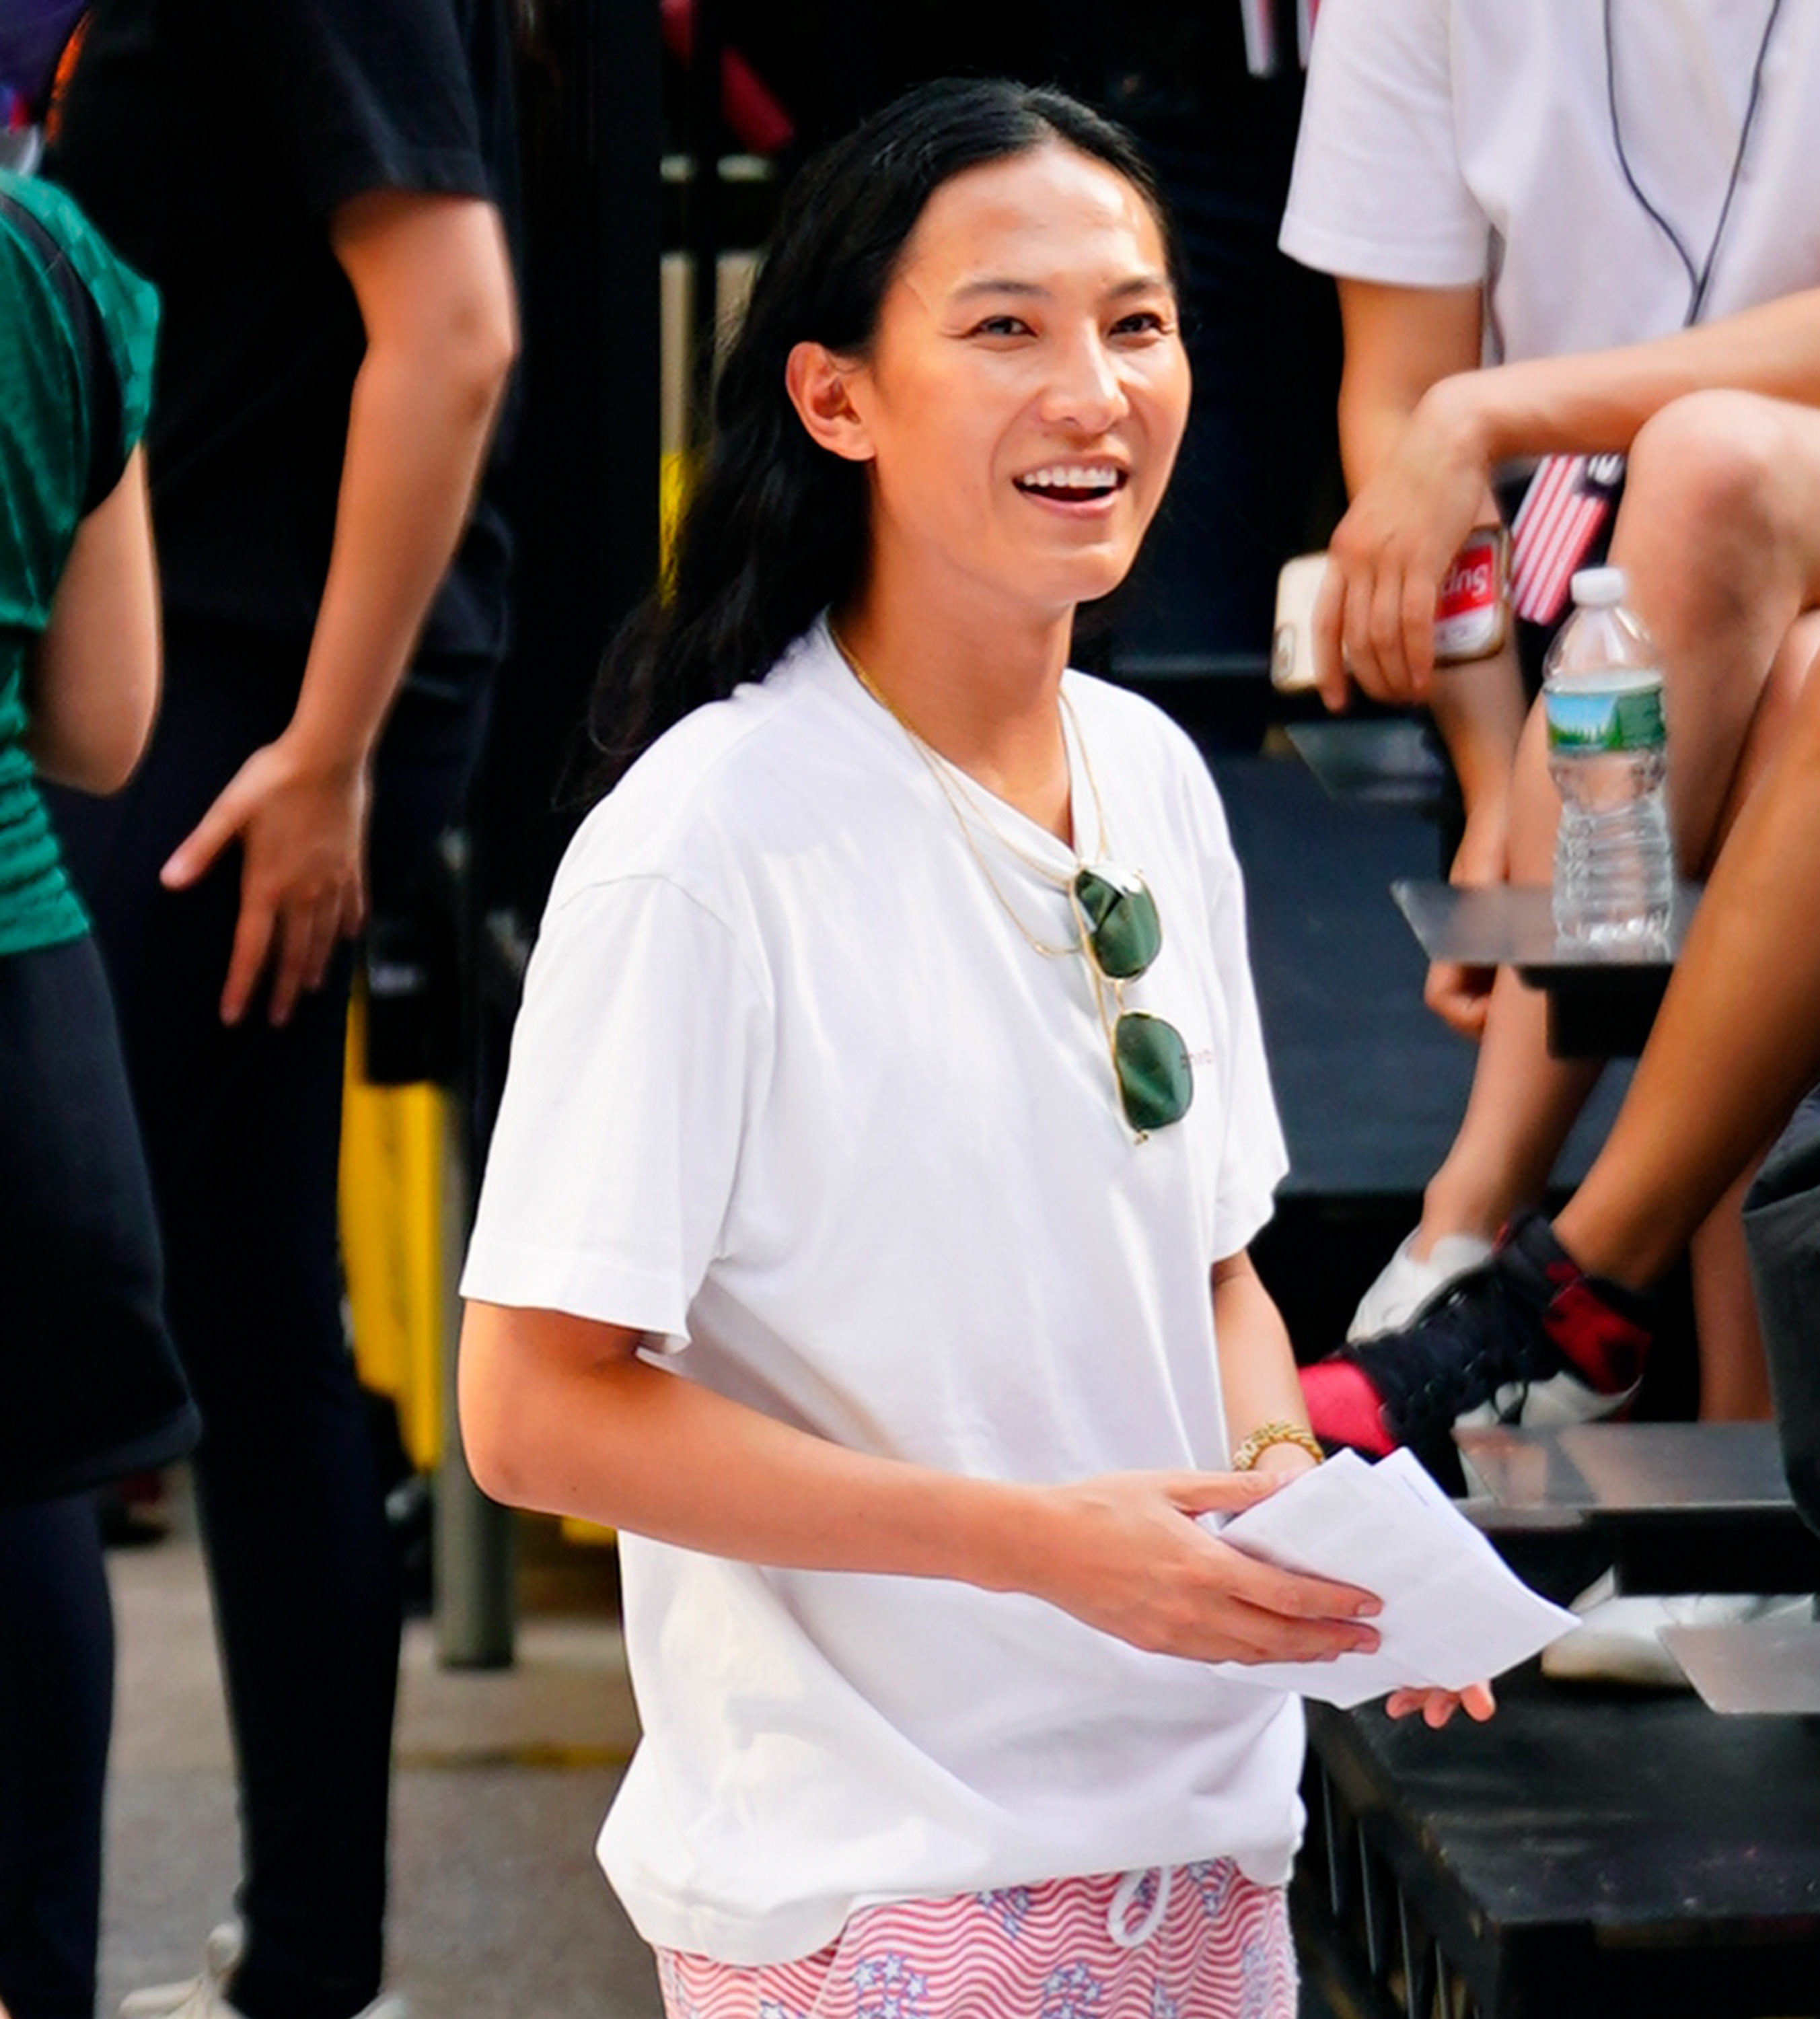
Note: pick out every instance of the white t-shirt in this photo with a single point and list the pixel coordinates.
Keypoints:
(1446, 142)
(790, 1088)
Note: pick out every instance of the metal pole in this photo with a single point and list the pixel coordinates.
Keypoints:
(475, 1553)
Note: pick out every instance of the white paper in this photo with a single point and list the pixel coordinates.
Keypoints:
(1454, 1612)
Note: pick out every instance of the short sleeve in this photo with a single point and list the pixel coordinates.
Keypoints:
(360, 94)
(47, 408)
(643, 1041)
(1377, 193)
(1253, 1157)
(125, 304)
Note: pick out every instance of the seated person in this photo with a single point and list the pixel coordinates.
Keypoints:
(1737, 1042)
(1564, 235)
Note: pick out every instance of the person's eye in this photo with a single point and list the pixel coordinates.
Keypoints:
(1000, 325)
(1144, 322)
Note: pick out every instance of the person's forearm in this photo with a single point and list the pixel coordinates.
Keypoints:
(1258, 1382)
(557, 1413)
(606, 1441)
(417, 430)
(1372, 422)
(1598, 399)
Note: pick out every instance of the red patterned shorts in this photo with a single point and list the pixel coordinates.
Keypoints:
(1199, 1942)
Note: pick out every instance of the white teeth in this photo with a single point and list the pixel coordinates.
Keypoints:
(1061, 476)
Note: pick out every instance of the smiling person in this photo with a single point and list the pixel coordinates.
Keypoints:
(864, 1230)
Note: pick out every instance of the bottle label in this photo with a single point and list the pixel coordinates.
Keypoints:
(1469, 611)
(1604, 718)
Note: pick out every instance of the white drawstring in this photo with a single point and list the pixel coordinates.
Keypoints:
(1118, 1914)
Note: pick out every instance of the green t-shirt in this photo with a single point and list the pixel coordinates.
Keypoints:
(48, 459)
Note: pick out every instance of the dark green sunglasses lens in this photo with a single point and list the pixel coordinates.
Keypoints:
(1155, 1081)
(1123, 927)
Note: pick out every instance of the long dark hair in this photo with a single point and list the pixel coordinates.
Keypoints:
(777, 530)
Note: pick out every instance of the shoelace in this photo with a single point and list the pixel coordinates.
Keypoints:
(1125, 1898)
(1434, 1372)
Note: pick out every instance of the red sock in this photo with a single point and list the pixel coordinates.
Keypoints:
(1343, 1407)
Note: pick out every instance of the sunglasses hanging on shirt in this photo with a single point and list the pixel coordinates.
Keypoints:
(1117, 930)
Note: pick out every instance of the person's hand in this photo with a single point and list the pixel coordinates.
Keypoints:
(1374, 618)
(1460, 995)
(1124, 1553)
(301, 829)
(1437, 1707)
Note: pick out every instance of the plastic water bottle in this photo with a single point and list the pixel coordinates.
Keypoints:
(1602, 689)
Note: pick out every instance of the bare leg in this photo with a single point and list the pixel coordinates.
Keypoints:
(1734, 1380)
(1523, 1100)
(1738, 1042)
(1718, 532)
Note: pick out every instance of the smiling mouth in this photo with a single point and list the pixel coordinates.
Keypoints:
(1070, 483)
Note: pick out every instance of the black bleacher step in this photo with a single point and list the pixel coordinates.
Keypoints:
(1589, 1852)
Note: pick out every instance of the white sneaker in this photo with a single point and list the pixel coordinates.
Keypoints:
(205, 1997)
(1619, 1640)
(221, 1956)
(1405, 1285)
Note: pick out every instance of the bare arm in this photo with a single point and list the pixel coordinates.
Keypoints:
(1401, 343)
(434, 285)
(94, 673)
(559, 1413)
(1421, 498)
(1258, 1382)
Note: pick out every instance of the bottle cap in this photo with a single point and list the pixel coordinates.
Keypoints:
(1599, 587)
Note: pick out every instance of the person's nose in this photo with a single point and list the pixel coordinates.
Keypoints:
(1085, 392)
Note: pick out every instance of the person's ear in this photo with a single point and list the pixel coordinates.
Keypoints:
(820, 387)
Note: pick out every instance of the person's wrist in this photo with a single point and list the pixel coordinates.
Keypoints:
(1009, 1534)
(1456, 415)
(1251, 1453)
(313, 751)
(1285, 1461)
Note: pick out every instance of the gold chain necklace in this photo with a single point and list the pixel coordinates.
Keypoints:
(953, 783)
(958, 790)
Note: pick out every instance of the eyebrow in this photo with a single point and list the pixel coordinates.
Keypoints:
(1139, 284)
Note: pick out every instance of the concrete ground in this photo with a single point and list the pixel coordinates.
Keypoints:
(499, 1910)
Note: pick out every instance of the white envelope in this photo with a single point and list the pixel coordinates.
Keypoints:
(1454, 1613)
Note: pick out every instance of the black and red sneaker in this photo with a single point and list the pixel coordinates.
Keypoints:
(1527, 1337)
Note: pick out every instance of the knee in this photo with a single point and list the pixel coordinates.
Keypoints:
(1702, 519)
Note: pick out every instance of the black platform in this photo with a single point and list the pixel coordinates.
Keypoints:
(1585, 1855)
(1677, 1507)
(1602, 1000)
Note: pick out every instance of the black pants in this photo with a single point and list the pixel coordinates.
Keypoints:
(89, 1390)
(56, 1695)
(242, 1130)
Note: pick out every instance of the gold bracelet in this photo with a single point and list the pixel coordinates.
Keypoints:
(1279, 1433)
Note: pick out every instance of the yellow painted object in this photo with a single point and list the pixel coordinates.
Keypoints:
(391, 1220)
(674, 478)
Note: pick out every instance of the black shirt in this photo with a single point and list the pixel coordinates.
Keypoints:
(211, 140)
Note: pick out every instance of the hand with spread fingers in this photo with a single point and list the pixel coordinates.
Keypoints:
(302, 826)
